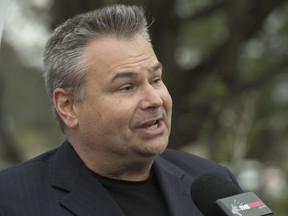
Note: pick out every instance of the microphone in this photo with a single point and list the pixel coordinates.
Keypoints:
(215, 195)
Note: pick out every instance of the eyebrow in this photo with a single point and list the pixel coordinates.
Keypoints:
(156, 67)
(128, 73)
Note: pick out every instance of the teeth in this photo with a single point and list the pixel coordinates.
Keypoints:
(152, 127)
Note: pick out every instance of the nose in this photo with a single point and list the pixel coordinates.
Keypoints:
(151, 97)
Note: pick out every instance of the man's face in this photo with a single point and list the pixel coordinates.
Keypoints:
(127, 109)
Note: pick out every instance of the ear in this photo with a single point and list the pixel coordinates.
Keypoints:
(64, 105)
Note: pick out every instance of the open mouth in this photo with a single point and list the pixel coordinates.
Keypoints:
(152, 127)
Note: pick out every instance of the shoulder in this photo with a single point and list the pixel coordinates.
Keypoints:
(26, 171)
(184, 158)
(193, 165)
(26, 185)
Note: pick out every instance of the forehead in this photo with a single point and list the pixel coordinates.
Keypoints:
(109, 55)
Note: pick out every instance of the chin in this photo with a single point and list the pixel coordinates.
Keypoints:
(155, 149)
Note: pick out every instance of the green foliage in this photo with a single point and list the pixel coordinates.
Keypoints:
(226, 66)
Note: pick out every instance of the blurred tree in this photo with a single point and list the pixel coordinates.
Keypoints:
(225, 65)
(8, 145)
(218, 86)
(213, 35)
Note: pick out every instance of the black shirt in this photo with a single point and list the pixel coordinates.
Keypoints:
(137, 198)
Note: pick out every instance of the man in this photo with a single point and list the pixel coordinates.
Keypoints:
(106, 86)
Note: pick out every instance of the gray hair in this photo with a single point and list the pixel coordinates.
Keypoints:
(63, 59)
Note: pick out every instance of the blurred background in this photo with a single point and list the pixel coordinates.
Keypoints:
(225, 64)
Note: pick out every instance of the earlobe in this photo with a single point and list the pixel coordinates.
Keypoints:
(64, 105)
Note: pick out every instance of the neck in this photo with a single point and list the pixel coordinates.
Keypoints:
(122, 167)
(138, 172)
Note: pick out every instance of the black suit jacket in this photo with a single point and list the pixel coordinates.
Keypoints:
(58, 183)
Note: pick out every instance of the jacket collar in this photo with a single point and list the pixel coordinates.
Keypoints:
(86, 196)
(175, 186)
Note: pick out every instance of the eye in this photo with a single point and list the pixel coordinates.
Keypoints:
(157, 80)
(127, 87)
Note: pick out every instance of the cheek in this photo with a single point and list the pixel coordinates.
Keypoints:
(89, 114)
(116, 114)
(168, 102)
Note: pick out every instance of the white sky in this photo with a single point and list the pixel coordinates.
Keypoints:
(3, 11)
(26, 33)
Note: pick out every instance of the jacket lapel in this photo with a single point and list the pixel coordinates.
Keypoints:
(84, 195)
(80, 193)
(175, 186)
